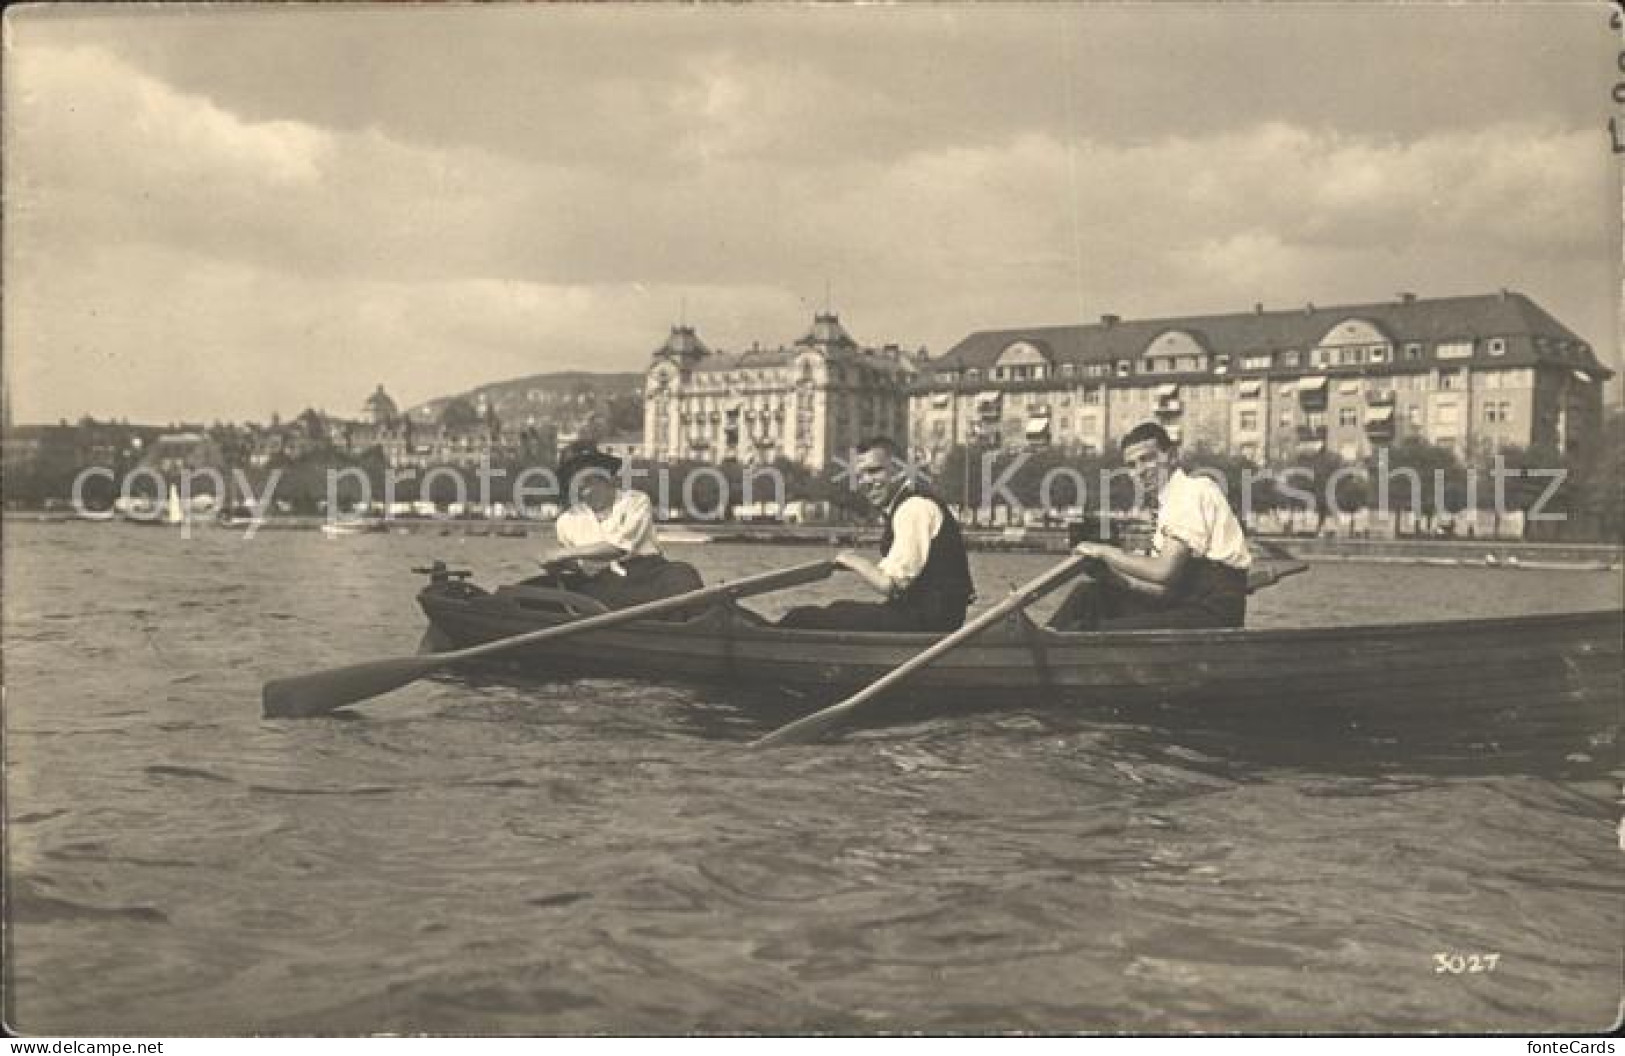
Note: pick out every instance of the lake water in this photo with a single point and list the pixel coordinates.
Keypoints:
(493, 855)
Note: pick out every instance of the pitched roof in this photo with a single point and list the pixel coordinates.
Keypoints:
(1509, 315)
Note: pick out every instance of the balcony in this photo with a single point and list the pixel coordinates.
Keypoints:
(1311, 433)
(1169, 408)
(1380, 397)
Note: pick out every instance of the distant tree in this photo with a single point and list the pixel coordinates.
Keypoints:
(459, 417)
(625, 414)
(1304, 485)
(1439, 479)
(1240, 477)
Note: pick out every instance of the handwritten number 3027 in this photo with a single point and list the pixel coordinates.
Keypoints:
(1469, 964)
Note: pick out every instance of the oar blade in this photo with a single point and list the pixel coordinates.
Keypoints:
(803, 730)
(310, 696)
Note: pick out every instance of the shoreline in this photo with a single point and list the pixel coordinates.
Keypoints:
(1509, 554)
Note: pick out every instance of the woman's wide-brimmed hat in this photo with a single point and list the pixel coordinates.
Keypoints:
(578, 457)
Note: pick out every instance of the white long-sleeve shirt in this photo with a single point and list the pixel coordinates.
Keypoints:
(628, 525)
(1194, 511)
(915, 523)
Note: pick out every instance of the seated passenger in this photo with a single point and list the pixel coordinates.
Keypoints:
(608, 536)
(1195, 575)
(924, 574)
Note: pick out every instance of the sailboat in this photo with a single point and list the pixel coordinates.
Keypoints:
(148, 514)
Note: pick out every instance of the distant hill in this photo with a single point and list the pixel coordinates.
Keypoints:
(575, 401)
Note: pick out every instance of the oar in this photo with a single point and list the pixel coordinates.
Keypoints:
(810, 727)
(1261, 576)
(307, 696)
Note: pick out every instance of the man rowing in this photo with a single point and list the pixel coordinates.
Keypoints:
(608, 536)
(923, 574)
(1195, 575)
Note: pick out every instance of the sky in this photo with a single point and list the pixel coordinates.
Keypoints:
(217, 213)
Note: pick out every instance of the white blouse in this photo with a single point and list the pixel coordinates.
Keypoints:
(628, 524)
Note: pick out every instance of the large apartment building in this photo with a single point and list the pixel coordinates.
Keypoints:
(809, 402)
(1475, 373)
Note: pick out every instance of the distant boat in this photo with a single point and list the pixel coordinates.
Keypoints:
(339, 529)
(148, 514)
(680, 536)
(173, 513)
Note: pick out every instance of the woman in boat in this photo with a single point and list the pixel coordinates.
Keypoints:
(923, 574)
(608, 536)
(1195, 575)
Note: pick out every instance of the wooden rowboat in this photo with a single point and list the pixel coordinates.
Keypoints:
(1564, 669)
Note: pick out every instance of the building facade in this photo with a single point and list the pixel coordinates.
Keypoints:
(808, 402)
(1473, 373)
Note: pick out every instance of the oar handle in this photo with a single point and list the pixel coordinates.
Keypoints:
(816, 723)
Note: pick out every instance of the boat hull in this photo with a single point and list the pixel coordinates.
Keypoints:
(1563, 669)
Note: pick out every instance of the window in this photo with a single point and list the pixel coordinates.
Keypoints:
(1413, 351)
(1413, 415)
(1285, 420)
(1320, 357)
(1068, 369)
(1122, 368)
(1350, 356)
(973, 374)
(1247, 422)
(1347, 416)
(1497, 346)
(1454, 350)
(1256, 361)
(1221, 364)
(1289, 358)
(1446, 414)
(1088, 423)
(1379, 353)
(1091, 396)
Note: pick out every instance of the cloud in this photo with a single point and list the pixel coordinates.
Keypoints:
(274, 262)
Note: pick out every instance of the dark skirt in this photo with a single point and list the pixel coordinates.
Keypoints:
(640, 580)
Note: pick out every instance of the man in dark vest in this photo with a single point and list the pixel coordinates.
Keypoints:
(923, 573)
(1195, 574)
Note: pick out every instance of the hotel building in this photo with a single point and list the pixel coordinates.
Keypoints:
(1474, 373)
(809, 402)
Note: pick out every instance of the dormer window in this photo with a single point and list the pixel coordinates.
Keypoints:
(1497, 346)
